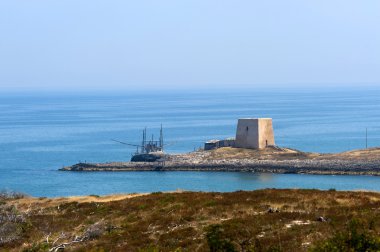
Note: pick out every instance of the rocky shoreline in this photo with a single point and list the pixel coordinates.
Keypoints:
(272, 160)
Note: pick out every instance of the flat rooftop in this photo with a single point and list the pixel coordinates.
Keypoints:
(262, 118)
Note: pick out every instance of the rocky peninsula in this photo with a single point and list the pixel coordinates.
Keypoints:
(268, 160)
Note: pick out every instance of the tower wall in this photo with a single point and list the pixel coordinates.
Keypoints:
(254, 133)
(266, 135)
(247, 133)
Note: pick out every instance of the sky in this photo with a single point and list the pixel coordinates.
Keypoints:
(84, 45)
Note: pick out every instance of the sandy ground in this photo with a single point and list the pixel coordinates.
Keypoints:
(32, 202)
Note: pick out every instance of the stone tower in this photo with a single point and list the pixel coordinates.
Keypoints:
(254, 133)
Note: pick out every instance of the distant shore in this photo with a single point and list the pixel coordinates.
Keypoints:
(269, 160)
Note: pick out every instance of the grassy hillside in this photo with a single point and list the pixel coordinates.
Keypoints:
(263, 220)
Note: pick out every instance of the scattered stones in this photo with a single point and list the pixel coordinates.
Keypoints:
(234, 160)
(273, 210)
(321, 219)
(297, 223)
(261, 235)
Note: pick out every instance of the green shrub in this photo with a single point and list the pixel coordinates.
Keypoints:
(149, 249)
(356, 238)
(5, 194)
(210, 203)
(37, 247)
(156, 193)
(217, 241)
(143, 206)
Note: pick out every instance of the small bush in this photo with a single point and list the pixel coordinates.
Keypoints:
(95, 230)
(143, 206)
(217, 241)
(156, 193)
(149, 249)
(210, 203)
(355, 238)
(37, 247)
(5, 194)
(12, 224)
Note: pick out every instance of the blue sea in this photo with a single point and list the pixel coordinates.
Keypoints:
(40, 133)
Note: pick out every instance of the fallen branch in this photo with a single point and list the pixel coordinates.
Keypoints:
(63, 245)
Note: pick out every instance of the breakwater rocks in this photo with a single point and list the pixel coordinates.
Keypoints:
(270, 160)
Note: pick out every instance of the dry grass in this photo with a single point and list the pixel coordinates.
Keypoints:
(169, 221)
(30, 202)
(263, 154)
(289, 154)
(366, 155)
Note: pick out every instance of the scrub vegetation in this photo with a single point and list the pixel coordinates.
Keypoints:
(262, 220)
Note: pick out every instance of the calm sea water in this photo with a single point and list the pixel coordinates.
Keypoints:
(41, 133)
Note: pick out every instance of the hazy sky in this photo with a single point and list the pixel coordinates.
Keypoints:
(125, 44)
